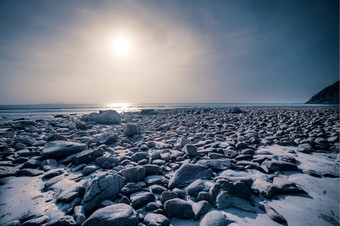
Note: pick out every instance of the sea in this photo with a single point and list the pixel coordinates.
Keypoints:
(46, 111)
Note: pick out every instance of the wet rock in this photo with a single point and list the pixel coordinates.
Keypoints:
(188, 173)
(114, 215)
(178, 208)
(104, 186)
(214, 218)
(62, 149)
(156, 219)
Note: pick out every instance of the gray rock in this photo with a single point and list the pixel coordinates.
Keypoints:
(131, 188)
(107, 139)
(36, 221)
(54, 137)
(242, 204)
(152, 169)
(89, 169)
(30, 172)
(216, 165)
(273, 214)
(101, 160)
(157, 189)
(27, 140)
(114, 215)
(159, 219)
(223, 200)
(200, 208)
(62, 149)
(104, 117)
(103, 186)
(66, 220)
(132, 129)
(286, 186)
(265, 188)
(188, 173)
(53, 173)
(195, 187)
(190, 150)
(32, 163)
(203, 195)
(141, 199)
(272, 166)
(167, 195)
(6, 171)
(134, 174)
(178, 208)
(139, 156)
(214, 218)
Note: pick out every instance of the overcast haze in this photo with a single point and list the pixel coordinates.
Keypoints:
(181, 51)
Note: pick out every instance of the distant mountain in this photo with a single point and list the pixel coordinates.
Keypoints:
(329, 95)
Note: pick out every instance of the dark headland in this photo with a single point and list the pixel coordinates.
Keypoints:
(329, 95)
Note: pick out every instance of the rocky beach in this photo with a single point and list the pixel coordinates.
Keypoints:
(254, 165)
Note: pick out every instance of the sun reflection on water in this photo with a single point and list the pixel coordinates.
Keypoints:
(119, 106)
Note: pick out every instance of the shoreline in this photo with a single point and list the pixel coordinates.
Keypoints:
(148, 152)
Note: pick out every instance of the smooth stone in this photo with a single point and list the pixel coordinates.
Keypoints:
(134, 174)
(156, 219)
(107, 138)
(167, 195)
(104, 117)
(195, 187)
(273, 166)
(131, 188)
(132, 129)
(157, 189)
(214, 218)
(190, 150)
(62, 149)
(6, 171)
(115, 215)
(53, 173)
(152, 169)
(265, 188)
(178, 208)
(188, 173)
(36, 221)
(273, 214)
(216, 165)
(223, 200)
(141, 199)
(66, 220)
(30, 172)
(200, 208)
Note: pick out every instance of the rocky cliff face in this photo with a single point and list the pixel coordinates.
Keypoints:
(329, 95)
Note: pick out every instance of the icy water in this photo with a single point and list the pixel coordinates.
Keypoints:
(45, 111)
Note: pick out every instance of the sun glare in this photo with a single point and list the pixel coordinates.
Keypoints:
(122, 46)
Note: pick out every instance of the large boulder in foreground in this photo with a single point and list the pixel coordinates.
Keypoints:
(104, 117)
(188, 173)
(115, 215)
(103, 186)
(62, 149)
(214, 218)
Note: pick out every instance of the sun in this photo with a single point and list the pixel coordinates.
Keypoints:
(121, 46)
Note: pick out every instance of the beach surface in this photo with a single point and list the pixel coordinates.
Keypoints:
(248, 165)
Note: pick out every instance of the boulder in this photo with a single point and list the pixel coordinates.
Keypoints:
(134, 174)
(273, 214)
(286, 186)
(6, 171)
(103, 186)
(190, 150)
(217, 165)
(131, 188)
(188, 173)
(273, 166)
(141, 199)
(132, 129)
(200, 208)
(265, 188)
(115, 215)
(214, 218)
(62, 149)
(156, 219)
(104, 117)
(178, 208)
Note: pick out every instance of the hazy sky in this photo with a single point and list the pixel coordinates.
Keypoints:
(180, 51)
